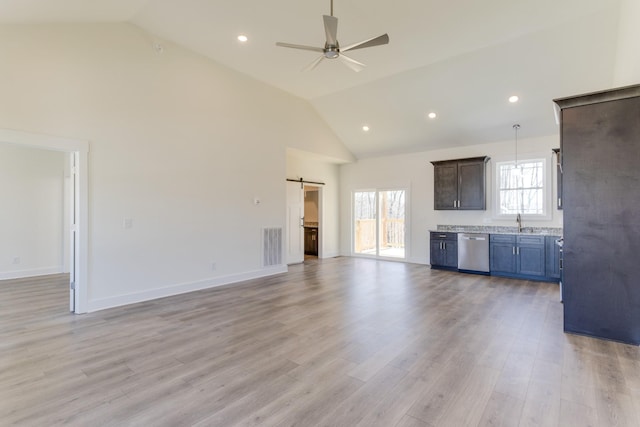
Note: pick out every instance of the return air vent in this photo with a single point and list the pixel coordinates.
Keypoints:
(271, 246)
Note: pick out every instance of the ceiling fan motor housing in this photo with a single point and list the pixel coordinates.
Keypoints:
(331, 51)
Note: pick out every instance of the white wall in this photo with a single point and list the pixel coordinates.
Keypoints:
(31, 217)
(320, 169)
(415, 172)
(178, 144)
(627, 70)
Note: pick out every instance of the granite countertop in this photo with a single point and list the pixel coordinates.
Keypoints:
(497, 229)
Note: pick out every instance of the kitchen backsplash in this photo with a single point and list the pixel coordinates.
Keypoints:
(497, 229)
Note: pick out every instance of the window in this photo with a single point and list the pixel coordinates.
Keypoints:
(523, 189)
(379, 223)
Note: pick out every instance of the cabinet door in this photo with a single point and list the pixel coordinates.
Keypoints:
(451, 254)
(531, 260)
(502, 257)
(471, 185)
(558, 157)
(559, 184)
(531, 250)
(552, 257)
(437, 253)
(313, 242)
(308, 242)
(445, 186)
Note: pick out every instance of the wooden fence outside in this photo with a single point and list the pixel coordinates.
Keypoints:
(391, 234)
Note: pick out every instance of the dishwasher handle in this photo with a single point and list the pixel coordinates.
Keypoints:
(473, 238)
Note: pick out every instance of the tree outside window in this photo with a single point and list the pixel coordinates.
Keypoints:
(521, 189)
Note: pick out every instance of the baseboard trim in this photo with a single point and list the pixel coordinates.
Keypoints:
(19, 274)
(410, 260)
(120, 300)
(330, 255)
(415, 260)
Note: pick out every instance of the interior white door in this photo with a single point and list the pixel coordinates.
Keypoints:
(295, 223)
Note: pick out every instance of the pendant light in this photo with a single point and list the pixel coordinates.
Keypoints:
(516, 168)
(517, 172)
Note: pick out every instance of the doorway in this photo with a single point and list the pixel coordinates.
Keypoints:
(379, 223)
(311, 221)
(304, 221)
(78, 212)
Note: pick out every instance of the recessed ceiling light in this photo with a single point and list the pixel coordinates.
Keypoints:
(242, 38)
(513, 99)
(365, 128)
(432, 115)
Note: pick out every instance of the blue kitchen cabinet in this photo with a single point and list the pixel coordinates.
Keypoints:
(521, 256)
(502, 254)
(530, 253)
(552, 253)
(444, 250)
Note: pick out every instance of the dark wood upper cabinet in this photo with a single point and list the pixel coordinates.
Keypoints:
(600, 149)
(558, 177)
(445, 190)
(460, 184)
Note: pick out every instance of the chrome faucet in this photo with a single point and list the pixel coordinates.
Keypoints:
(519, 221)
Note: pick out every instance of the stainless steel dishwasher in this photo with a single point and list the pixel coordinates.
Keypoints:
(473, 252)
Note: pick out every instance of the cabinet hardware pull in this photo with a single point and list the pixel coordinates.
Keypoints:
(513, 250)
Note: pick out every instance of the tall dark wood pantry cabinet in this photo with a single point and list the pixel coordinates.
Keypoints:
(600, 152)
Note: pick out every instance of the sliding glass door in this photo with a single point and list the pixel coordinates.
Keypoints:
(379, 220)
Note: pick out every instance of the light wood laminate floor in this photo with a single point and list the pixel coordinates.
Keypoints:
(338, 342)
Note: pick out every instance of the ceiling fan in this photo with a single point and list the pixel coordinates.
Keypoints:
(332, 49)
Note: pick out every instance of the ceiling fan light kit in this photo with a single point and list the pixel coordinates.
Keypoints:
(332, 50)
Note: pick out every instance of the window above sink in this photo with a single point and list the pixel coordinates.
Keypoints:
(523, 190)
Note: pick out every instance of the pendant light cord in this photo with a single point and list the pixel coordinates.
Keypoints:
(516, 127)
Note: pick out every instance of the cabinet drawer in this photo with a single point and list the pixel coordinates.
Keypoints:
(502, 238)
(435, 235)
(531, 240)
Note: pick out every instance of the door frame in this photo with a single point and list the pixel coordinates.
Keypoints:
(79, 149)
(320, 189)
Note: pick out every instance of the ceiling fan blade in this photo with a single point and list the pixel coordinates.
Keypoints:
(300, 46)
(352, 63)
(314, 64)
(331, 29)
(376, 41)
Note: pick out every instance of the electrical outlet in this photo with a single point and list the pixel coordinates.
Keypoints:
(127, 223)
(16, 260)
(213, 266)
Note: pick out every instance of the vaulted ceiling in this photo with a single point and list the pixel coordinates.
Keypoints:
(460, 59)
